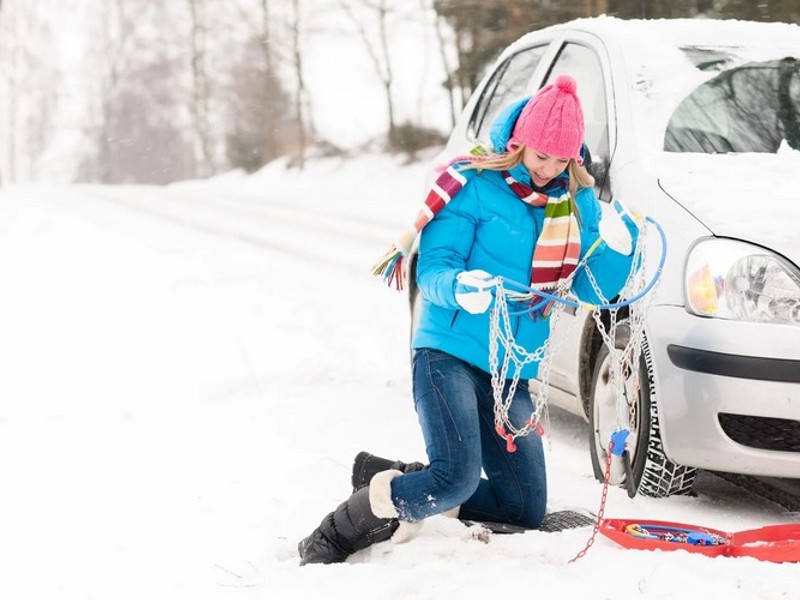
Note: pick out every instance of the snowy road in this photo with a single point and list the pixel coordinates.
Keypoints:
(186, 373)
(275, 226)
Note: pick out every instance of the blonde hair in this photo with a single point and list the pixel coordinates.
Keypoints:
(577, 174)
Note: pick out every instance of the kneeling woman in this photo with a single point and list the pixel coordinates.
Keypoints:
(527, 212)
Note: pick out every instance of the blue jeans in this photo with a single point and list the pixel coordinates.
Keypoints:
(455, 407)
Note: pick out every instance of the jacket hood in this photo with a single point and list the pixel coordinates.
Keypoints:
(503, 125)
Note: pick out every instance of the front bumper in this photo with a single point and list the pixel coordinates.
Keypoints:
(728, 393)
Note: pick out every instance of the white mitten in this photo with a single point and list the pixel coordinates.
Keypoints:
(475, 291)
(618, 229)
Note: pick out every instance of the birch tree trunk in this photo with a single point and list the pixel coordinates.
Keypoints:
(270, 149)
(2, 16)
(300, 90)
(106, 160)
(200, 87)
(378, 53)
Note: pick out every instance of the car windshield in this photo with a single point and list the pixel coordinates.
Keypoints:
(713, 87)
(753, 107)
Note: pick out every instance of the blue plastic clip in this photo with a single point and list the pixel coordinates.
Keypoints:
(618, 440)
(700, 538)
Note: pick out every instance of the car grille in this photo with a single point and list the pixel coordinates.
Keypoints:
(765, 433)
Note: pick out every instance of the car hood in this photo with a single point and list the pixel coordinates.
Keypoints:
(752, 197)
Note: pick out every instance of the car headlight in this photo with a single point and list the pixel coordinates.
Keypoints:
(728, 279)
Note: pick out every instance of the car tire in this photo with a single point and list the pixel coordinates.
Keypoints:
(652, 473)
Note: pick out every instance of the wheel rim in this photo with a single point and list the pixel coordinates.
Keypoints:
(607, 421)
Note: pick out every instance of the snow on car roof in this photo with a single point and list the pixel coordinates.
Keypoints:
(757, 40)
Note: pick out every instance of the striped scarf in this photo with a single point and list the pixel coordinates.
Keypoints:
(557, 250)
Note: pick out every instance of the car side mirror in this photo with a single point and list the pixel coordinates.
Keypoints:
(598, 169)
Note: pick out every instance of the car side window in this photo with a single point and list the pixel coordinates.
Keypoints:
(507, 84)
(582, 63)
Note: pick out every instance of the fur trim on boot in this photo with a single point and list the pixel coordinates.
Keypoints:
(380, 494)
(380, 500)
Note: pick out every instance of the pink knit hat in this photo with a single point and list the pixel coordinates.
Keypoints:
(552, 120)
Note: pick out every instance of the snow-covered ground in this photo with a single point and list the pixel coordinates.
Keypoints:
(186, 373)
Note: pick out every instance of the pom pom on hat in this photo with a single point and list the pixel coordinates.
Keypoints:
(567, 84)
(552, 120)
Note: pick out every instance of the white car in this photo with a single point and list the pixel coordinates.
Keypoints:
(696, 124)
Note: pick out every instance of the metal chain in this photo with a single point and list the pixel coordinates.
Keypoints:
(515, 357)
(601, 511)
(623, 362)
(501, 336)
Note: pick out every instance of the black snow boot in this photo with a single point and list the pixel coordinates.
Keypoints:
(353, 526)
(365, 465)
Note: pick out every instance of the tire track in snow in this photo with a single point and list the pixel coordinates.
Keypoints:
(309, 234)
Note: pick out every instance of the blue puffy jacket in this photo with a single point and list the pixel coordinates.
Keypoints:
(486, 226)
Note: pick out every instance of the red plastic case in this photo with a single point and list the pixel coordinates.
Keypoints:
(773, 543)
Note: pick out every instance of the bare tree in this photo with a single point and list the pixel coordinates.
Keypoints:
(449, 83)
(138, 126)
(13, 76)
(270, 134)
(261, 121)
(112, 19)
(31, 87)
(200, 85)
(2, 18)
(263, 32)
(300, 91)
(378, 52)
(284, 121)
